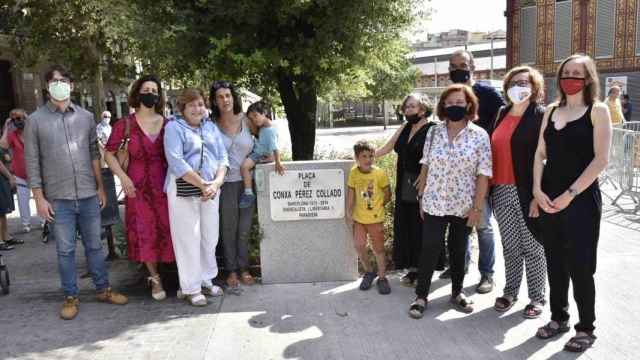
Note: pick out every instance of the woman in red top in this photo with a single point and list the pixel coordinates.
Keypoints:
(513, 145)
(147, 213)
(12, 140)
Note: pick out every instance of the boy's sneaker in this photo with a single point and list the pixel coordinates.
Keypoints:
(383, 286)
(367, 280)
(246, 200)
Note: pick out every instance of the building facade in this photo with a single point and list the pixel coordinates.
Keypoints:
(541, 33)
(489, 60)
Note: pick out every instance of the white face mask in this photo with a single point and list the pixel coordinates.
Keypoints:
(518, 94)
(59, 90)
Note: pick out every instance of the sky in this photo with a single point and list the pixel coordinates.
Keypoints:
(472, 15)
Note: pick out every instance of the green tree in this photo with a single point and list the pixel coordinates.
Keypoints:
(94, 38)
(298, 48)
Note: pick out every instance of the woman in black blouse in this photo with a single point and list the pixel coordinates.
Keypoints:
(408, 143)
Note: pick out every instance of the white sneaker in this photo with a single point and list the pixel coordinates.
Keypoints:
(214, 291)
(26, 229)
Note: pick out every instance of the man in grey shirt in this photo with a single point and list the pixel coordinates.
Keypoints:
(63, 166)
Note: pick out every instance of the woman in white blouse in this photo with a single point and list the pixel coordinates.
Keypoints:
(453, 182)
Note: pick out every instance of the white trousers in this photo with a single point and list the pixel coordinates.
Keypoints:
(195, 227)
(24, 195)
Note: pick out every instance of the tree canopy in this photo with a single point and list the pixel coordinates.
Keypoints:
(296, 50)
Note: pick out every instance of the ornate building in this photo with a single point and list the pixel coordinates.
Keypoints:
(543, 32)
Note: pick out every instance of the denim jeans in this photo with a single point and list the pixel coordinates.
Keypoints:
(486, 242)
(83, 215)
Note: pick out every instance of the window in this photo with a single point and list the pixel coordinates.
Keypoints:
(605, 28)
(528, 31)
(562, 34)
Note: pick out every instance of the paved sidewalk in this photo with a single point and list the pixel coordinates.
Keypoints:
(305, 321)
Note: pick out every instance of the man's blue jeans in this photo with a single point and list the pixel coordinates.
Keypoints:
(486, 242)
(83, 215)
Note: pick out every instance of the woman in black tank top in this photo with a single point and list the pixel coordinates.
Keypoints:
(574, 141)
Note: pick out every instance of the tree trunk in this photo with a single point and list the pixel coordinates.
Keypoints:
(98, 82)
(300, 103)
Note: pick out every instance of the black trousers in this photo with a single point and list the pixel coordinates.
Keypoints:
(433, 233)
(570, 242)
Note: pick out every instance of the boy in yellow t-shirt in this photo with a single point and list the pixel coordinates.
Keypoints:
(368, 192)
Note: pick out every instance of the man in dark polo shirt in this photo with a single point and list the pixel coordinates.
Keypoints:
(63, 166)
(461, 69)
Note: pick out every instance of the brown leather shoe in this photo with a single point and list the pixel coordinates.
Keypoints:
(69, 308)
(112, 297)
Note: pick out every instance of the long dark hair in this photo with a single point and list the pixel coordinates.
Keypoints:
(221, 84)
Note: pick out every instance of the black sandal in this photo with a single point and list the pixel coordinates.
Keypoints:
(462, 303)
(416, 310)
(5, 247)
(578, 344)
(547, 332)
(503, 304)
(532, 311)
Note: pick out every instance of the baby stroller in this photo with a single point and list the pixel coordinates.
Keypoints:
(4, 277)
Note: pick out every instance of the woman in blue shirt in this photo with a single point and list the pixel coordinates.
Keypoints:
(197, 162)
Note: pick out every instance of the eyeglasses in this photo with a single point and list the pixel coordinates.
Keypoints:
(221, 84)
(522, 83)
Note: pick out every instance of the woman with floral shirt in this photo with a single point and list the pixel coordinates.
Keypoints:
(453, 182)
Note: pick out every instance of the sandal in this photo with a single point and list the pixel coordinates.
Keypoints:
(5, 247)
(547, 331)
(581, 343)
(532, 311)
(155, 282)
(504, 304)
(416, 310)
(462, 303)
(246, 278)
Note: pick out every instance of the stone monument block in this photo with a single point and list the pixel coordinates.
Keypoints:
(305, 238)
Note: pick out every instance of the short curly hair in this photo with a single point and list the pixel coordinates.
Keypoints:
(470, 97)
(133, 99)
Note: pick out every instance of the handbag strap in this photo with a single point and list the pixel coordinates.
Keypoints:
(201, 148)
(433, 131)
(127, 133)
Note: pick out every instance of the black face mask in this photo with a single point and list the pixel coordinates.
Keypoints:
(455, 112)
(19, 124)
(412, 119)
(458, 76)
(149, 99)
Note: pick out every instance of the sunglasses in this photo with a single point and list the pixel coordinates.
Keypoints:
(221, 84)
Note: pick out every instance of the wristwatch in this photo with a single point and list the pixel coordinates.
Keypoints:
(573, 192)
